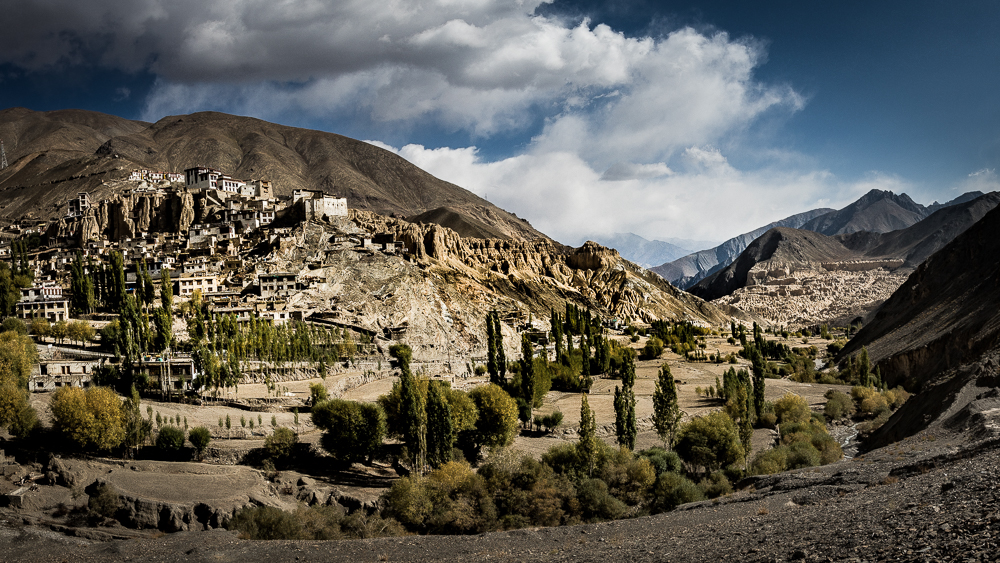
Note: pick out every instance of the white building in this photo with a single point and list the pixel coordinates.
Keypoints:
(316, 204)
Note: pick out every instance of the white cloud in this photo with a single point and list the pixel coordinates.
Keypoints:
(648, 112)
(566, 198)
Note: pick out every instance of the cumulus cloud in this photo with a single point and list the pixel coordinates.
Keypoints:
(626, 130)
(566, 198)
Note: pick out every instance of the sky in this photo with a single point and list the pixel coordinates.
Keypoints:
(696, 120)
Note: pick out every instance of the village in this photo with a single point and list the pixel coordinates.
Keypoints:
(197, 231)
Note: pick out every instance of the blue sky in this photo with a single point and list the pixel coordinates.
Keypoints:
(667, 119)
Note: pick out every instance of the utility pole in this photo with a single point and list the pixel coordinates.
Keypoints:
(3, 157)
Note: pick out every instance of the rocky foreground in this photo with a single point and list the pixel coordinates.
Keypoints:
(931, 497)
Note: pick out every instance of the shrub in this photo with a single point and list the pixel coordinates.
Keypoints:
(170, 439)
(662, 460)
(802, 454)
(838, 405)
(859, 393)
(791, 408)
(317, 393)
(652, 349)
(597, 503)
(280, 444)
(768, 420)
(896, 397)
(673, 490)
(104, 501)
(710, 441)
(768, 462)
(874, 405)
(352, 431)
(715, 485)
(200, 437)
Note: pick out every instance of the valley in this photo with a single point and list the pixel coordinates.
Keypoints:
(339, 346)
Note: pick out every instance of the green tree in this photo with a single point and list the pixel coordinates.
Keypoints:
(170, 439)
(625, 425)
(759, 372)
(865, 368)
(199, 436)
(413, 415)
(280, 444)
(666, 412)
(497, 423)
(710, 442)
(586, 447)
(440, 425)
(527, 373)
(501, 355)
(492, 367)
(92, 418)
(352, 431)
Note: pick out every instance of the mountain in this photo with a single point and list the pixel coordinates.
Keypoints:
(877, 211)
(794, 274)
(939, 333)
(54, 155)
(643, 252)
(689, 270)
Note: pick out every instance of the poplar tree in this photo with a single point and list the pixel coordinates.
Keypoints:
(759, 368)
(501, 355)
(586, 447)
(865, 368)
(412, 408)
(666, 412)
(440, 429)
(625, 426)
(527, 373)
(491, 350)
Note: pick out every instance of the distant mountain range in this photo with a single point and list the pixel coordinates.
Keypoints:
(53, 155)
(877, 211)
(689, 270)
(648, 253)
(781, 251)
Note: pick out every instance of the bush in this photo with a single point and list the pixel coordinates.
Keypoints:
(200, 437)
(770, 461)
(317, 393)
(768, 420)
(652, 349)
(673, 490)
(896, 397)
(170, 439)
(710, 441)
(595, 501)
(874, 405)
(791, 408)
(802, 454)
(352, 431)
(715, 485)
(838, 405)
(104, 501)
(663, 460)
(280, 444)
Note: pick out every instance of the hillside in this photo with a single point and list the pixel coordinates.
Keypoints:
(940, 333)
(54, 155)
(788, 275)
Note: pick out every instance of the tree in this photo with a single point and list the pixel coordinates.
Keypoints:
(527, 373)
(625, 425)
(352, 431)
(92, 418)
(759, 370)
(280, 444)
(865, 368)
(501, 355)
(491, 351)
(666, 412)
(497, 423)
(710, 442)
(170, 439)
(199, 437)
(413, 415)
(440, 427)
(586, 447)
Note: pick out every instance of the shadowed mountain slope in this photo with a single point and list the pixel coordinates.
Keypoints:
(940, 333)
(54, 155)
